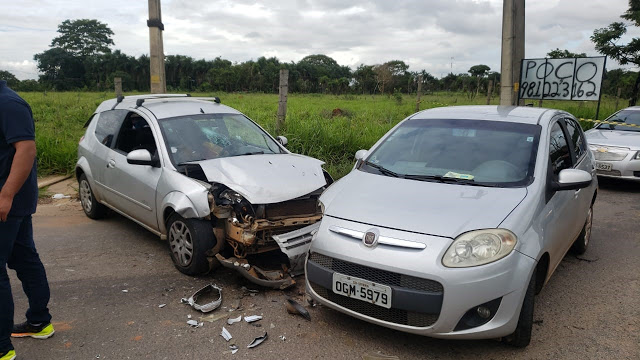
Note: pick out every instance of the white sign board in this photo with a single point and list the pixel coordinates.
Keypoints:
(562, 79)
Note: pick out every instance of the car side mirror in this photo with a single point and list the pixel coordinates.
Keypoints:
(141, 157)
(361, 154)
(282, 140)
(572, 179)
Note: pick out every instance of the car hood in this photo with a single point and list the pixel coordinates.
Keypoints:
(426, 207)
(268, 178)
(630, 139)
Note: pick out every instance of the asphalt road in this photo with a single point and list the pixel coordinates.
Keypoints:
(109, 277)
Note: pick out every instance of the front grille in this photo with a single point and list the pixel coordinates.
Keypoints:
(392, 315)
(292, 208)
(376, 275)
(609, 173)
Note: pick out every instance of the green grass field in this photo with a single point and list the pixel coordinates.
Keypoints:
(312, 126)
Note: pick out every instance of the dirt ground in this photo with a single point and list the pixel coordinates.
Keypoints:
(109, 279)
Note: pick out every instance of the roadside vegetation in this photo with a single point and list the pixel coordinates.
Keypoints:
(328, 127)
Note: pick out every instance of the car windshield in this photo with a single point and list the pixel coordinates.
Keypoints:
(474, 152)
(211, 136)
(631, 117)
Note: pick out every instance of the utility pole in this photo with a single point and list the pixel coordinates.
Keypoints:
(452, 64)
(156, 48)
(420, 79)
(513, 21)
(117, 83)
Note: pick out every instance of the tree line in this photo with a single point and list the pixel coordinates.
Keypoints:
(80, 58)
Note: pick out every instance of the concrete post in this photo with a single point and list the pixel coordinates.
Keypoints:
(117, 83)
(282, 101)
(618, 98)
(419, 93)
(512, 50)
(156, 48)
(489, 90)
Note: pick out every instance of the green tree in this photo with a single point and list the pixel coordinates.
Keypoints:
(564, 54)
(12, 80)
(60, 69)
(606, 42)
(84, 37)
(478, 72)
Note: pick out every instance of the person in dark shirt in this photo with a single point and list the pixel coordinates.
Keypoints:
(18, 199)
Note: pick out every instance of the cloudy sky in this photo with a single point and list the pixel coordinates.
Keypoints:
(426, 34)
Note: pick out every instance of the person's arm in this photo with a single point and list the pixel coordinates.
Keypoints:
(20, 169)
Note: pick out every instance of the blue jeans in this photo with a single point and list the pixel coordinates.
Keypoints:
(18, 251)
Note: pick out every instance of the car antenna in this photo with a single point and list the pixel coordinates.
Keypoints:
(216, 100)
(119, 99)
(139, 103)
(201, 111)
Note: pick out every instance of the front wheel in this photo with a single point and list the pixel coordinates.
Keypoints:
(522, 336)
(579, 247)
(92, 208)
(189, 240)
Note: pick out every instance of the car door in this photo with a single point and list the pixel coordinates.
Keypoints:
(108, 124)
(559, 213)
(583, 162)
(132, 188)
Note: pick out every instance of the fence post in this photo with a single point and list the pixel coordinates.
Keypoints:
(419, 93)
(282, 101)
(618, 98)
(489, 90)
(540, 103)
(117, 83)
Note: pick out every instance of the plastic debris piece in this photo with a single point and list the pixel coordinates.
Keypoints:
(294, 308)
(232, 321)
(283, 338)
(234, 349)
(189, 316)
(379, 356)
(213, 317)
(194, 323)
(272, 326)
(125, 291)
(207, 290)
(60, 196)
(252, 318)
(162, 305)
(257, 341)
(226, 334)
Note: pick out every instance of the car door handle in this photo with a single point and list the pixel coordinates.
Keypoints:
(111, 164)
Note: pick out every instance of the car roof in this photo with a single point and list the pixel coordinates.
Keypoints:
(518, 114)
(634, 108)
(169, 105)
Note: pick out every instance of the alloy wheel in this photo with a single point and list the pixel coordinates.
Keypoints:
(85, 196)
(181, 243)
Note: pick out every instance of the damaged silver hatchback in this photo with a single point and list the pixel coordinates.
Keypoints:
(207, 179)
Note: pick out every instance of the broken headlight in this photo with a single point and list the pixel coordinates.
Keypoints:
(321, 207)
(243, 209)
(231, 196)
(479, 247)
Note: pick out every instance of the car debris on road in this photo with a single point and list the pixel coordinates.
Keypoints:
(210, 289)
(294, 308)
(257, 341)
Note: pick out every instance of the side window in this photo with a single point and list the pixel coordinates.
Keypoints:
(108, 125)
(135, 134)
(559, 154)
(577, 139)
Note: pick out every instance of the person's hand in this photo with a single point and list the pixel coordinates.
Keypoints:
(5, 206)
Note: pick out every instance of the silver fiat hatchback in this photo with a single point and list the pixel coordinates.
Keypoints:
(452, 222)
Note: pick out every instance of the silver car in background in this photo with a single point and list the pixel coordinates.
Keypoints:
(616, 145)
(451, 222)
(203, 176)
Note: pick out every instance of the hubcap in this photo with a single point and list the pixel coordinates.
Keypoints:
(85, 196)
(181, 243)
(587, 227)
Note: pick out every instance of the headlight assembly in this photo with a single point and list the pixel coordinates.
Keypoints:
(321, 206)
(479, 247)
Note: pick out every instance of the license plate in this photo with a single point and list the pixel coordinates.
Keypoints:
(603, 166)
(361, 289)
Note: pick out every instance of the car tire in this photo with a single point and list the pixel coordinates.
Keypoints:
(522, 336)
(91, 207)
(579, 246)
(189, 241)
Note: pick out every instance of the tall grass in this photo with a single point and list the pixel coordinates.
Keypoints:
(328, 127)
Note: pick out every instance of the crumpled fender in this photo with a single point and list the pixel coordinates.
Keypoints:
(180, 203)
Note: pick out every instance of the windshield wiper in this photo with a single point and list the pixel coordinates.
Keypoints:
(446, 179)
(383, 170)
(250, 153)
(189, 162)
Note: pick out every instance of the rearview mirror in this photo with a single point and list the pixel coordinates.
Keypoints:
(572, 179)
(361, 154)
(282, 140)
(141, 157)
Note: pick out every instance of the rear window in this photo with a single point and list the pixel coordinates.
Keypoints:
(109, 123)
